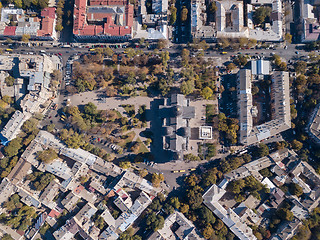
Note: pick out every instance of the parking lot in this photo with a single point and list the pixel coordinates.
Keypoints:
(228, 100)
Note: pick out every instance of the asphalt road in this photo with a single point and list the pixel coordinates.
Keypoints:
(174, 50)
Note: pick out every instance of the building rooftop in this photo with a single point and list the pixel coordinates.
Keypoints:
(38, 28)
(115, 18)
(175, 114)
(185, 229)
(13, 126)
(280, 111)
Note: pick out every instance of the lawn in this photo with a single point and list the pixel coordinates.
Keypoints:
(143, 148)
(127, 139)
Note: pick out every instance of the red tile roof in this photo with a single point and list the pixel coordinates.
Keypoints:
(9, 31)
(79, 189)
(82, 28)
(48, 12)
(46, 27)
(54, 213)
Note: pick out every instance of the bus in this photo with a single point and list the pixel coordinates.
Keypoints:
(92, 49)
(9, 50)
(224, 53)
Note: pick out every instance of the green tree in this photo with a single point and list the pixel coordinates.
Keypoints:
(295, 189)
(173, 15)
(125, 164)
(59, 27)
(206, 216)
(206, 93)
(154, 221)
(296, 145)
(300, 67)
(212, 7)
(187, 87)
(9, 81)
(18, 3)
(162, 43)
(48, 155)
(288, 37)
(184, 14)
(185, 56)
(174, 201)
(260, 15)
(12, 149)
(156, 179)
(231, 66)
(29, 125)
(285, 214)
(208, 231)
(262, 150)
(143, 173)
(90, 108)
(25, 38)
(7, 236)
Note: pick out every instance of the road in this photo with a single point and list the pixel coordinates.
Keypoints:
(174, 51)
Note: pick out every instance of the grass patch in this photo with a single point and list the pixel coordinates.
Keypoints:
(126, 139)
(143, 148)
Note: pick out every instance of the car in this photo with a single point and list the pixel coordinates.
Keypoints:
(59, 54)
(297, 52)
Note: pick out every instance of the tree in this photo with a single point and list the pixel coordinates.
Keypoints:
(25, 38)
(184, 14)
(231, 66)
(300, 67)
(184, 208)
(154, 221)
(185, 56)
(48, 155)
(254, 90)
(260, 15)
(18, 3)
(7, 236)
(207, 231)
(206, 93)
(162, 43)
(174, 201)
(50, 128)
(262, 150)
(30, 125)
(9, 81)
(285, 214)
(43, 3)
(125, 164)
(156, 179)
(13, 147)
(173, 15)
(213, 7)
(295, 189)
(206, 216)
(90, 108)
(241, 60)
(192, 180)
(296, 145)
(59, 27)
(143, 173)
(187, 87)
(288, 37)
